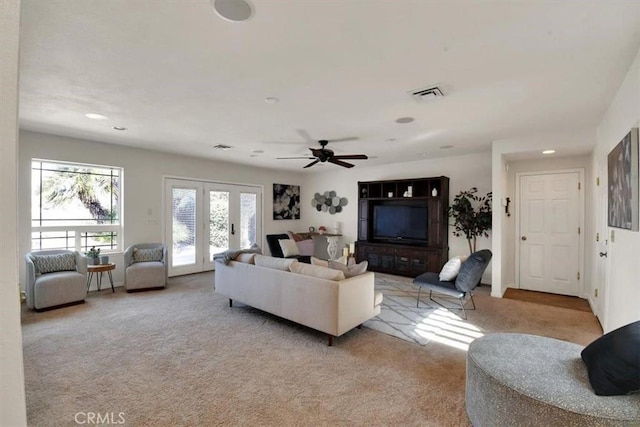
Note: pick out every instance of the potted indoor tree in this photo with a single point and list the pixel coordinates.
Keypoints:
(471, 215)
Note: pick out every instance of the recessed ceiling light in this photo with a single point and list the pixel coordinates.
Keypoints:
(271, 100)
(446, 147)
(548, 151)
(405, 120)
(390, 140)
(221, 147)
(119, 128)
(253, 155)
(96, 116)
(257, 151)
(233, 10)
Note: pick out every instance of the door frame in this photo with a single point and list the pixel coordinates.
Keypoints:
(166, 232)
(581, 215)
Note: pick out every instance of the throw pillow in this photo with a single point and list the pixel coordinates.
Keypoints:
(613, 361)
(350, 270)
(147, 255)
(451, 269)
(295, 237)
(289, 248)
(316, 271)
(272, 262)
(320, 262)
(52, 263)
(325, 263)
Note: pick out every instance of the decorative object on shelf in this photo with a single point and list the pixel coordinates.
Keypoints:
(104, 259)
(93, 256)
(390, 194)
(434, 192)
(322, 229)
(329, 201)
(622, 164)
(471, 216)
(312, 229)
(286, 201)
(337, 227)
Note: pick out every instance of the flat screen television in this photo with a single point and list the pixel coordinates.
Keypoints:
(407, 223)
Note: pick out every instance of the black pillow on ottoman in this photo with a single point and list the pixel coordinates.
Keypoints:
(613, 361)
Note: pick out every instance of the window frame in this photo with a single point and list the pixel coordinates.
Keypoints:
(80, 232)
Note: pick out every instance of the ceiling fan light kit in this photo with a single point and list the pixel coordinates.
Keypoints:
(323, 154)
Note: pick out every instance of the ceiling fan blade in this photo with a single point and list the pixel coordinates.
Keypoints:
(351, 156)
(349, 138)
(340, 163)
(311, 164)
(304, 157)
(305, 135)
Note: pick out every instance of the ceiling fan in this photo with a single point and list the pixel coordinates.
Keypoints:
(323, 154)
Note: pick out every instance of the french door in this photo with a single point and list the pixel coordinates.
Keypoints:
(204, 218)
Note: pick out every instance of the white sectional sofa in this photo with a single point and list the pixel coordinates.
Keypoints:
(330, 306)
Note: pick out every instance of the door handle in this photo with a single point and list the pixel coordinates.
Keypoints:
(603, 254)
(233, 229)
(524, 238)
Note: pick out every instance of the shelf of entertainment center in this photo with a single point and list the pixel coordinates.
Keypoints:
(402, 225)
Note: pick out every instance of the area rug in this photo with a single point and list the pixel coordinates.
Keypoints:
(430, 322)
(401, 318)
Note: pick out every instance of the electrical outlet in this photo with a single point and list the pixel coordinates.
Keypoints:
(596, 293)
(613, 236)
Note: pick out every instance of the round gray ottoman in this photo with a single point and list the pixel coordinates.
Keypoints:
(527, 380)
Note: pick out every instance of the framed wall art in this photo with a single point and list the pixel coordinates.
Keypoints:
(286, 201)
(622, 166)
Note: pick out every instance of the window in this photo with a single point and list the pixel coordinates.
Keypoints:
(75, 206)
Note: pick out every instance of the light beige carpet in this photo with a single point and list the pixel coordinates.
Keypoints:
(182, 357)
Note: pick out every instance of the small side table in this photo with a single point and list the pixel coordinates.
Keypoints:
(100, 269)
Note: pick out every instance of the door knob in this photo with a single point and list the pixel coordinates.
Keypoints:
(603, 254)
(524, 237)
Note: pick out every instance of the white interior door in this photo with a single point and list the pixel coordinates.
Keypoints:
(550, 223)
(204, 218)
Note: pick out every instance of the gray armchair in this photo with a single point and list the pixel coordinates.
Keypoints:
(468, 278)
(145, 267)
(55, 279)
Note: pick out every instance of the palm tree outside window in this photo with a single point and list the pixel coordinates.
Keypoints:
(75, 206)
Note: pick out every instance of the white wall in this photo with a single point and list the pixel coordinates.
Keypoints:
(540, 165)
(143, 183)
(622, 301)
(12, 396)
(464, 172)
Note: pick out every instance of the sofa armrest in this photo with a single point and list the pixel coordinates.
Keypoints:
(30, 281)
(356, 297)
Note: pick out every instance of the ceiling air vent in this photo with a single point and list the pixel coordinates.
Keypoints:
(427, 94)
(221, 147)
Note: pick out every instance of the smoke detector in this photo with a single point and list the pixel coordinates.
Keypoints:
(430, 93)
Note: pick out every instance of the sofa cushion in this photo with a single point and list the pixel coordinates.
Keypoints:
(147, 255)
(272, 262)
(316, 271)
(325, 263)
(350, 270)
(245, 257)
(613, 361)
(55, 262)
(289, 248)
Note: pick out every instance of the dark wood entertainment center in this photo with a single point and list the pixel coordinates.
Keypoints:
(404, 256)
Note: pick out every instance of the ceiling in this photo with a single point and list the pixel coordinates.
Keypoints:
(181, 79)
